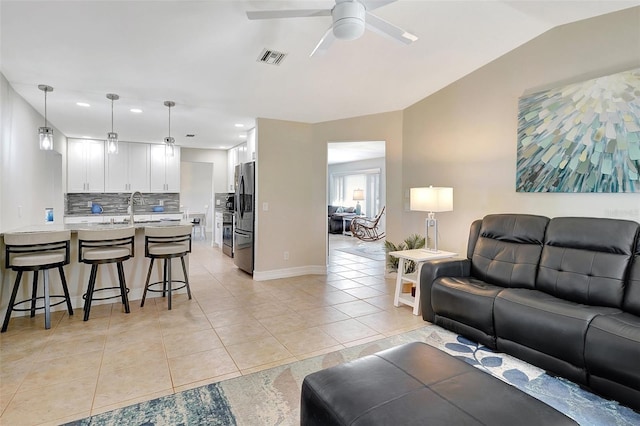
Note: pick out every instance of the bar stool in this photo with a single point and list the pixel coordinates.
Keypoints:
(37, 251)
(167, 242)
(102, 246)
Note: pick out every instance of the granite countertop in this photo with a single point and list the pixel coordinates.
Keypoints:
(74, 227)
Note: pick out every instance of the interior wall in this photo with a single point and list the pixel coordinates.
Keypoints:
(196, 189)
(30, 179)
(292, 179)
(285, 173)
(465, 135)
(218, 157)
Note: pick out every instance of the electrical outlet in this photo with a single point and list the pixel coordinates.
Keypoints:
(161, 202)
(286, 255)
(19, 211)
(265, 206)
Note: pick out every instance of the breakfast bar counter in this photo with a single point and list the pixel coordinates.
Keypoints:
(77, 274)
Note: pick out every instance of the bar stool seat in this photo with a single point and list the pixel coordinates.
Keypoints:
(166, 243)
(37, 251)
(96, 247)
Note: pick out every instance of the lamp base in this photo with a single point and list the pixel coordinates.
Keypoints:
(431, 223)
(358, 209)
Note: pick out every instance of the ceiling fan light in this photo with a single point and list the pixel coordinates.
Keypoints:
(348, 20)
(348, 29)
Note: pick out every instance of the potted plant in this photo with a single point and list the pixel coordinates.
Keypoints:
(414, 241)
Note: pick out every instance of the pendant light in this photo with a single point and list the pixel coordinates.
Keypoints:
(46, 132)
(112, 137)
(169, 141)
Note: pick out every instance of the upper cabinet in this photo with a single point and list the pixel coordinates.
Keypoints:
(251, 145)
(128, 170)
(85, 165)
(236, 155)
(165, 170)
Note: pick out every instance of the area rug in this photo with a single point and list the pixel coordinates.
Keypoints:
(272, 397)
(372, 250)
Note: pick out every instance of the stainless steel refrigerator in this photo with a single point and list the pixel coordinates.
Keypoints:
(244, 217)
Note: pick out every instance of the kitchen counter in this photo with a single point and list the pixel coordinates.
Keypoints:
(77, 274)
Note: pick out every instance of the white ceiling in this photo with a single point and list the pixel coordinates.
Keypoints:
(202, 55)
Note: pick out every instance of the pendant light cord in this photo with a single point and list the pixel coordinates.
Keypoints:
(45, 108)
(169, 121)
(111, 115)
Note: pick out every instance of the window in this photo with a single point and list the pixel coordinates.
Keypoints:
(343, 185)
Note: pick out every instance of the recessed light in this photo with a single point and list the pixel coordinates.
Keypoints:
(239, 125)
(136, 110)
(242, 135)
(83, 104)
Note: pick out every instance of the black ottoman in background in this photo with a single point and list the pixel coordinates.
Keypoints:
(416, 384)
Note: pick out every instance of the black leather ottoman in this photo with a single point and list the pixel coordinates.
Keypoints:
(416, 384)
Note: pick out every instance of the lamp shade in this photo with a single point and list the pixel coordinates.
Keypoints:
(358, 195)
(431, 199)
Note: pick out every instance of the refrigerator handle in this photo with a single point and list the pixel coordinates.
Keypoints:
(242, 197)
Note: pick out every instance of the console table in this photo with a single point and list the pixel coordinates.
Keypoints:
(419, 256)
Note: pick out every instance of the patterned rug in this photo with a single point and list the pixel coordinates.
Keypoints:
(272, 397)
(371, 250)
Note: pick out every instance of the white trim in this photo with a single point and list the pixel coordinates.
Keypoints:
(289, 272)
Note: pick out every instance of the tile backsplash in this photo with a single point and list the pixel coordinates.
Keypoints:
(117, 203)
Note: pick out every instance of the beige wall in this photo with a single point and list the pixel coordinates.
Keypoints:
(465, 135)
(292, 179)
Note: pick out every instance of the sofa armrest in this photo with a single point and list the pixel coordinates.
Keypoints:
(436, 269)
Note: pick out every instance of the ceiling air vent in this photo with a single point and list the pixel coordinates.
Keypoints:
(271, 57)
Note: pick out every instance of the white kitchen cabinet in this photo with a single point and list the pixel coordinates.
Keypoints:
(165, 171)
(217, 231)
(251, 145)
(232, 161)
(128, 170)
(85, 165)
(236, 155)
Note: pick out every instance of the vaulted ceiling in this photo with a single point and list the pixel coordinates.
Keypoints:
(203, 55)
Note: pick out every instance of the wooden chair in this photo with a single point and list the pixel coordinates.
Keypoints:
(367, 229)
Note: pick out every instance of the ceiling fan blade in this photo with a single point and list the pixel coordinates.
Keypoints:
(375, 4)
(387, 29)
(325, 42)
(276, 14)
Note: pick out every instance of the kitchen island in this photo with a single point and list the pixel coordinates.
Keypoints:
(77, 274)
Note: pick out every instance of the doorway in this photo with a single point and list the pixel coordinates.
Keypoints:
(196, 192)
(356, 182)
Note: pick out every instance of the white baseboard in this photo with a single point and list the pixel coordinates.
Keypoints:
(289, 272)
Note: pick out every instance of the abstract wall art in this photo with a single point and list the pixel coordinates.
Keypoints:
(583, 137)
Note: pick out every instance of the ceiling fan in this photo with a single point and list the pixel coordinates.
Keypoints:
(350, 17)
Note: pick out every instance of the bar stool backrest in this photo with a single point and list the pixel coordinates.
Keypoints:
(91, 239)
(175, 235)
(21, 244)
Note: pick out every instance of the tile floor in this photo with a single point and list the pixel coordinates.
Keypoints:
(232, 326)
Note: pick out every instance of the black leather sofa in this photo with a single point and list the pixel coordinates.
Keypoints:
(562, 294)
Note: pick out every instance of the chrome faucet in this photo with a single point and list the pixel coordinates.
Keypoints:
(131, 204)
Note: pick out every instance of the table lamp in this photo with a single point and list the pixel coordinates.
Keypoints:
(431, 199)
(358, 195)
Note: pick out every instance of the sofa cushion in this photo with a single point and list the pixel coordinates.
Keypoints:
(508, 249)
(584, 266)
(617, 334)
(632, 292)
(465, 300)
(545, 323)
